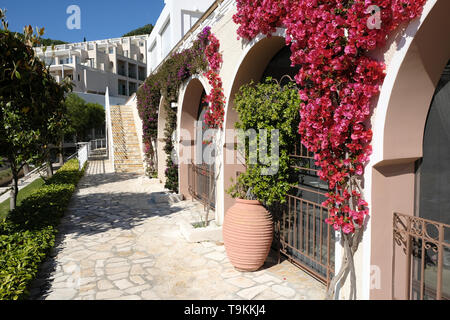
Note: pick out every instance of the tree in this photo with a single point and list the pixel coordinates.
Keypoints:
(83, 116)
(42, 41)
(31, 109)
(147, 29)
(51, 42)
(54, 120)
(96, 115)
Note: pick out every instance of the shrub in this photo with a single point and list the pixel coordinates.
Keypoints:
(268, 106)
(29, 232)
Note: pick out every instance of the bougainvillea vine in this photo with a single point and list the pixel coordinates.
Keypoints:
(202, 57)
(214, 117)
(330, 41)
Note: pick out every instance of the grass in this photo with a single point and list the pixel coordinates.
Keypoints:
(5, 173)
(23, 194)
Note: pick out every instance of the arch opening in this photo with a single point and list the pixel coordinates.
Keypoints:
(393, 177)
(189, 145)
(252, 68)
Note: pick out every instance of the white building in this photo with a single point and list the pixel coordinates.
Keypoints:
(119, 64)
(176, 19)
(404, 253)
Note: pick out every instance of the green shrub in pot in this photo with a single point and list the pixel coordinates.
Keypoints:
(269, 106)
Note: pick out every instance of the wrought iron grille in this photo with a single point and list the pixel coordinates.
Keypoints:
(425, 245)
(202, 184)
(305, 238)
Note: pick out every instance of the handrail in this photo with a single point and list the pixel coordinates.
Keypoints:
(29, 174)
(96, 143)
(72, 156)
(108, 132)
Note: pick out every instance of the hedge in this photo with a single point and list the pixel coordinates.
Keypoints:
(29, 232)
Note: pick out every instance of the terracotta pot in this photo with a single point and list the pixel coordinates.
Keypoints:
(247, 234)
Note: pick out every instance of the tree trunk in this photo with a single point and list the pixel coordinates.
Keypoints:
(49, 167)
(350, 244)
(211, 190)
(61, 149)
(15, 190)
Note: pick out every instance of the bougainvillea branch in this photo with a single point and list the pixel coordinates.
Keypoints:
(202, 57)
(330, 41)
(214, 116)
(166, 82)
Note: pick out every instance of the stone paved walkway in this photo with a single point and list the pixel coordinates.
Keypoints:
(118, 242)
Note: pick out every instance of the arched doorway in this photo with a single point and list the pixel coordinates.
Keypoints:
(191, 100)
(251, 68)
(305, 238)
(431, 259)
(433, 170)
(399, 125)
(202, 171)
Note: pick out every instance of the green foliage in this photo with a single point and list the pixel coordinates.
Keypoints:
(166, 83)
(29, 232)
(23, 194)
(147, 29)
(51, 42)
(171, 168)
(32, 113)
(45, 42)
(5, 173)
(268, 106)
(83, 116)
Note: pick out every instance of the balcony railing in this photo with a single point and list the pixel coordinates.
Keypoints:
(425, 255)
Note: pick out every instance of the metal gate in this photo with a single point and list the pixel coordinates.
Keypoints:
(305, 238)
(425, 245)
(202, 184)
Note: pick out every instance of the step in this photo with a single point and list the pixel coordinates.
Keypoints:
(124, 148)
(127, 155)
(141, 167)
(134, 158)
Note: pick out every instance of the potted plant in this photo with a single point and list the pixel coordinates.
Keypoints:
(247, 230)
(248, 225)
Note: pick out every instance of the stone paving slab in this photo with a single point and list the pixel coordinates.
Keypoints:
(117, 243)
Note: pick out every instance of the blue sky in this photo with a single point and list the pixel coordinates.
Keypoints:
(100, 19)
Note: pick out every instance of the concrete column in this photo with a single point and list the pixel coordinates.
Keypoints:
(60, 153)
(11, 200)
(26, 169)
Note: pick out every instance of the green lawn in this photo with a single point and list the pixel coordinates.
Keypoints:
(5, 173)
(23, 194)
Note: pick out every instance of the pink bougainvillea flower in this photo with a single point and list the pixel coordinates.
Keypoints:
(330, 40)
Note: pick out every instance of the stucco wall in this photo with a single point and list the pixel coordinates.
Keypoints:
(415, 61)
(389, 177)
(177, 13)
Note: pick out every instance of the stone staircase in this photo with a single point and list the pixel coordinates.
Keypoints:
(127, 156)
